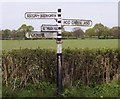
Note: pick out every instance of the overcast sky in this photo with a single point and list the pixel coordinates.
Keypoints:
(99, 12)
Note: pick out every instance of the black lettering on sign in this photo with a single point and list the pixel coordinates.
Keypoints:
(47, 15)
(55, 28)
(43, 28)
(86, 23)
(75, 22)
(42, 15)
(67, 22)
(36, 15)
(54, 15)
(80, 23)
(49, 28)
(32, 15)
(72, 22)
(28, 15)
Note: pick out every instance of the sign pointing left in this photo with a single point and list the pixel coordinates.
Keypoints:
(41, 15)
(49, 28)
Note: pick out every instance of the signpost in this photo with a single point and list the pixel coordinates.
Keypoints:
(57, 28)
(49, 28)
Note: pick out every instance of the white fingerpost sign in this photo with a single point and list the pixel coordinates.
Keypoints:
(40, 15)
(76, 22)
(49, 28)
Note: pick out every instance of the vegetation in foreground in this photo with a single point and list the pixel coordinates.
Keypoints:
(86, 72)
(46, 89)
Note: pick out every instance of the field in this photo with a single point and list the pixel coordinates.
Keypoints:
(85, 43)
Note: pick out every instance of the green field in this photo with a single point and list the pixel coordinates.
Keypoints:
(85, 43)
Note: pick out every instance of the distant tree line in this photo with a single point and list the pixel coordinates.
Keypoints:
(16, 34)
(98, 31)
(103, 32)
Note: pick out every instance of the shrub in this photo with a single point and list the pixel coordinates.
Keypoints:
(43, 89)
(30, 66)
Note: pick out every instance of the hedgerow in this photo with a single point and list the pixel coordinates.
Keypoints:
(89, 66)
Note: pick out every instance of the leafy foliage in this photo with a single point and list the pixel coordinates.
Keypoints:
(86, 73)
(46, 89)
(91, 66)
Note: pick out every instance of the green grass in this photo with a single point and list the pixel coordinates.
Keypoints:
(51, 44)
(46, 89)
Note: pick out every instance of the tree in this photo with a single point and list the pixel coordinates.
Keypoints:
(14, 34)
(90, 32)
(78, 32)
(24, 29)
(6, 34)
(115, 31)
(67, 34)
(98, 29)
(106, 32)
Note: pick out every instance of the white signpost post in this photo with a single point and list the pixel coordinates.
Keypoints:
(57, 28)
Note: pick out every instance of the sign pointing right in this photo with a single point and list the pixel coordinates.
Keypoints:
(76, 22)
